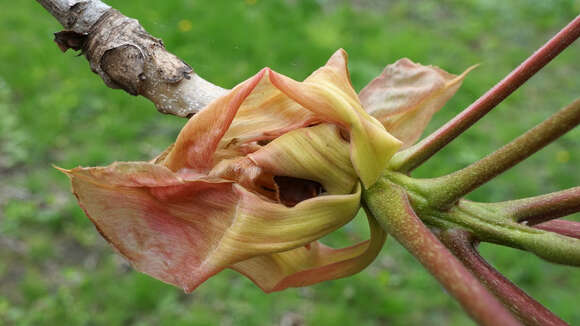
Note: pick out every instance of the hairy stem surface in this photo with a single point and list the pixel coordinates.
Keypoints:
(446, 190)
(542, 208)
(491, 226)
(487, 223)
(390, 206)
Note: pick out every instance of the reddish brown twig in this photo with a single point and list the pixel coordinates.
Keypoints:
(563, 227)
(407, 160)
(542, 208)
(528, 310)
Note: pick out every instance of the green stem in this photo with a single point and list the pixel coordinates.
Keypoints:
(444, 191)
(489, 222)
(490, 226)
(390, 206)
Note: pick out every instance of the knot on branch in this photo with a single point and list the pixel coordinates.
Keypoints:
(70, 40)
(126, 56)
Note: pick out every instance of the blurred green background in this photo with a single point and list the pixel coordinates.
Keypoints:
(56, 270)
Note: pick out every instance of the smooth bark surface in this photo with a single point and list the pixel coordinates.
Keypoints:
(528, 310)
(563, 227)
(76, 15)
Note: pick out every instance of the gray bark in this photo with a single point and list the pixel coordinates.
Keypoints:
(125, 56)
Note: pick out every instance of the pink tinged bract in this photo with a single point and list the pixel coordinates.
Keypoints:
(407, 94)
(252, 181)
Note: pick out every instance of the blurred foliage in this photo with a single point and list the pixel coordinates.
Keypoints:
(56, 270)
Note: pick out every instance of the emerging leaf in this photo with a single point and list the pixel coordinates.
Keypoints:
(407, 94)
(252, 181)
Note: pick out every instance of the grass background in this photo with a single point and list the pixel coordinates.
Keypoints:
(56, 270)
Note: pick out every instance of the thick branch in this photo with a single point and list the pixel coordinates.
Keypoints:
(125, 56)
(407, 160)
(76, 15)
(528, 310)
